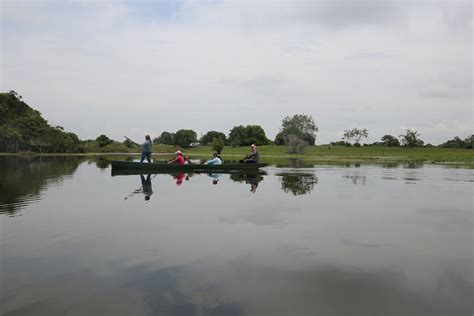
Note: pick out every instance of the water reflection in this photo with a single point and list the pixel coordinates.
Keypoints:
(23, 179)
(297, 183)
(146, 188)
(210, 248)
(215, 177)
(250, 178)
(356, 178)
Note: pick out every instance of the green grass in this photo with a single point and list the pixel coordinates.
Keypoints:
(336, 153)
(321, 153)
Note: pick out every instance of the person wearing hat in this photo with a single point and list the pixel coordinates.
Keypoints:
(253, 157)
(179, 158)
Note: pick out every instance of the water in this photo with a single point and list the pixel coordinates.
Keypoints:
(295, 240)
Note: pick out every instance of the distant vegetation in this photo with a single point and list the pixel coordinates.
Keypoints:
(23, 129)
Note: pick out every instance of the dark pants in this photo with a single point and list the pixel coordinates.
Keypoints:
(249, 161)
(146, 155)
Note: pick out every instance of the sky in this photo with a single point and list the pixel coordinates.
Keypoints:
(143, 67)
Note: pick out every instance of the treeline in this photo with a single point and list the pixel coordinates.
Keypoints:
(410, 138)
(238, 136)
(24, 129)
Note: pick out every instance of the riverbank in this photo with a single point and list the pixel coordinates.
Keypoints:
(321, 153)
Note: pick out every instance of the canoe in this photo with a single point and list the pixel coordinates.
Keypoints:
(119, 164)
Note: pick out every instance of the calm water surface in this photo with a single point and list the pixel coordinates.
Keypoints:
(295, 240)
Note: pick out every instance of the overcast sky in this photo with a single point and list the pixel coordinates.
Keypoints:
(136, 67)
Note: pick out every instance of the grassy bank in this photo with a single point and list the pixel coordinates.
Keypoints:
(334, 153)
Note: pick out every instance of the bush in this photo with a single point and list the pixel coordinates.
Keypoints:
(217, 144)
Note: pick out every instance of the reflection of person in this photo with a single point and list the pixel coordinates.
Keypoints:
(179, 178)
(215, 177)
(146, 186)
(253, 181)
(147, 149)
(253, 157)
(214, 161)
(179, 158)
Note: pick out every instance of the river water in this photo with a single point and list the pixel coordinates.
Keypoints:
(296, 239)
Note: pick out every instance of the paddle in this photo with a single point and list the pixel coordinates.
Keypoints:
(132, 141)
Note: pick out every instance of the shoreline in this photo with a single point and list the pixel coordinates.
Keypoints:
(317, 158)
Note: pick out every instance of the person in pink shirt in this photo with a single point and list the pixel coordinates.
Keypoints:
(179, 158)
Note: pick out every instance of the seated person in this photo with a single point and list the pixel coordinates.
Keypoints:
(179, 158)
(187, 161)
(253, 157)
(214, 161)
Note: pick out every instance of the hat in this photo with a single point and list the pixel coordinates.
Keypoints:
(253, 145)
(178, 152)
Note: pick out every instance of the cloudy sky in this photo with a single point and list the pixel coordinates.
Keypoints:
(136, 67)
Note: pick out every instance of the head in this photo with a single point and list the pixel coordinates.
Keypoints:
(187, 158)
(253, 146)
(216, 155)
(179, 153)
(147, 137)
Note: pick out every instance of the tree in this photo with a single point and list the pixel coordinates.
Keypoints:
(217, 144)
(301, 125)
(390, 141)
(295, 144)
(298, 184)
(340, 143)
(103, 140)
(469, 141)
(23, 128)
(457, 142)
(355, 135)
(247, 135)
(207, 138)
(236, 135)
(184, 137)
(165, 138)
(411, 138)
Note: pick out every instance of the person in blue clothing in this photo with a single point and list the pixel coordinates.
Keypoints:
(214, 161)
(147, 149)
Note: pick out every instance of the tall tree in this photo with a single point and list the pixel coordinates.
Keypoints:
(185, 137)
(355, 135)
(166, 138)
(103, 140)
(300, 125)
(247, 135)
(390, 141)
(411, 138)
(207, 138)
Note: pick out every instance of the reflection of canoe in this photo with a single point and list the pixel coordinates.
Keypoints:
(151, 167)
(130, 171)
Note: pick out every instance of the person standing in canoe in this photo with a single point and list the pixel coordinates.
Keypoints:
(253, 157)
(147, 149)
(179, 158)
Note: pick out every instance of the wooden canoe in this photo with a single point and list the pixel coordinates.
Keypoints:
(145, 167)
